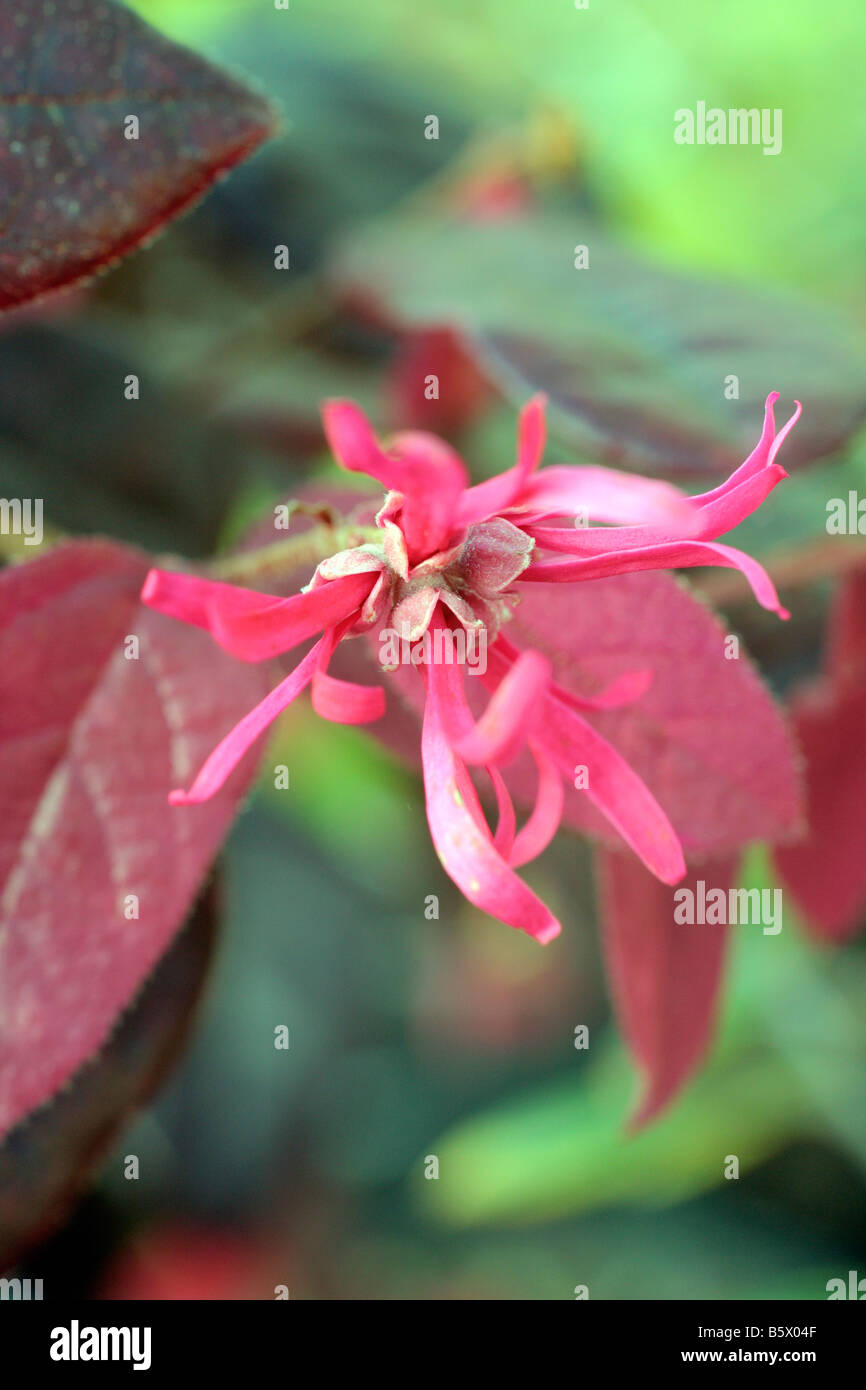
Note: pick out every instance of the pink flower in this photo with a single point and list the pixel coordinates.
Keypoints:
(445, 560)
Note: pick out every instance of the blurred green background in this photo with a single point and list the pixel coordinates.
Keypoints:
(451, 1039)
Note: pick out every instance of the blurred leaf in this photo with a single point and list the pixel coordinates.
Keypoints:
(78, 193)
(619, 72)
(278, 404)
(180, 1261)
(92, 740)
(354, 145)
(665, 975)
(826, 873)
(462, 391)
(563, 1151)
(788, 1064)
(46, 1161)
(635, 359)
(846, 643)
(149, 471)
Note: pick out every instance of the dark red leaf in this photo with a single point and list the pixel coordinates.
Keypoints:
(76, 193)
(665, 976)
(90, 745)
(46, 1161)
(633, 357)
(827, 872)
(846, 643)
(177, 1262)
(460, 389)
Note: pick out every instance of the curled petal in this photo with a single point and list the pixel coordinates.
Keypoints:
(506, 824)
(544, 822)
(673, 555)
(763, 454)
(435, 478)
(425, 470)
(602, 494)
(498, 494)
(467, 790)
(623, 690)
(354, 445)
(467, 854)
(707, 521)
(343, 702)
(501, 731)
(228, 753)
(630, 686)
(282, 624)
(191, 599)
(713, 513)
(614, 787)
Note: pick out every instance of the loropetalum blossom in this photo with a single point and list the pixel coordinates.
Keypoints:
(445, 556)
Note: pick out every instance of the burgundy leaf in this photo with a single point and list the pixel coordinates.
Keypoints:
(846, 642)
(827, 872)
(631, 355)
(76, 193)
(461, 389)
(91, 743)
(665, 976)
(47, 1160)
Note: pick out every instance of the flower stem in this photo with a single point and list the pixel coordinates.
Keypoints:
(283, 556)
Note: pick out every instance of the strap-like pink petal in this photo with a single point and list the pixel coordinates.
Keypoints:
(602, 494)
(506, 824)
(546, 815)
(501, 731)
(251, 625)
(673, 555)
(192, 599)
(434, 480)
(282, 624)
(623, 690)
(425, 470)
(709, 520)
(762, 455)
(614, 787)
(498, 494)
(467, 854)
(343, 702)
(353, 443)
(228, 753)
